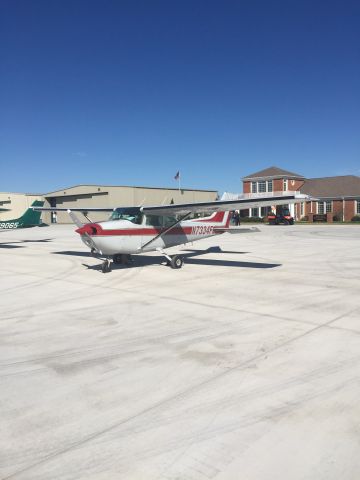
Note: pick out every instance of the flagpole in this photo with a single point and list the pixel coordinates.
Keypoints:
(178, 178)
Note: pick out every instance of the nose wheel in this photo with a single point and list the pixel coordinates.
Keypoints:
(173, 261)
(176, 261)
(106, 266)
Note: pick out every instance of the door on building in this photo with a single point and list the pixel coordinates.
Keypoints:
(52, 202)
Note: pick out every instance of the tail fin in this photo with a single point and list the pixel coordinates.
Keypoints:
(221, 218)
(28, 219)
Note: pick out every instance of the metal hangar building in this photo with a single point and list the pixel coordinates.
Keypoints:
(98, 196)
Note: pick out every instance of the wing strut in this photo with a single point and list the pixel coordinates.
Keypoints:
(166, 230)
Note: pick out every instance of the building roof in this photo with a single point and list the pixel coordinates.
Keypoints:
(89, 188)
(273, 172)
(332, 187)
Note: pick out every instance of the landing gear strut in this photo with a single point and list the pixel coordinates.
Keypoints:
(106, 266)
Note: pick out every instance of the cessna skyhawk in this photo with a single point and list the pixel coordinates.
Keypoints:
(135, 230)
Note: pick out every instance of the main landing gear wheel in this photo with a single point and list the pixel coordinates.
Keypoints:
(106, 266)
(176, 261)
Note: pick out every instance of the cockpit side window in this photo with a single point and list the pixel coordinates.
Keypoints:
(160, 220)
(132, 214)
(154, 220)
(168, 221)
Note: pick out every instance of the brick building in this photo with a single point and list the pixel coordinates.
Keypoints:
(334, 197)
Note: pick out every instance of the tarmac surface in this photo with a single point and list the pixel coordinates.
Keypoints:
(242, 365)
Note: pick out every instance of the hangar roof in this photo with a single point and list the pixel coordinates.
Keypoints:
(89, 188)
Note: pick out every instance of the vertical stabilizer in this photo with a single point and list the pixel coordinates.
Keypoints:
(28, 219)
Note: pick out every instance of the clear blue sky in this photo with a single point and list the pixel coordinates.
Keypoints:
(129, 92)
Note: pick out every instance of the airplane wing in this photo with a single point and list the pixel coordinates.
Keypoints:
(241, 203)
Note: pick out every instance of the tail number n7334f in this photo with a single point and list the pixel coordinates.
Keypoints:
(202, 230)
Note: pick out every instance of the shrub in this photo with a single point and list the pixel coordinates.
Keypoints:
(305, 218)
(337, 218)
(356, 218)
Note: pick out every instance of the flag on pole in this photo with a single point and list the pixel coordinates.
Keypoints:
(177, 177)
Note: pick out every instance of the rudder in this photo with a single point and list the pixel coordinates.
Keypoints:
(31, 218)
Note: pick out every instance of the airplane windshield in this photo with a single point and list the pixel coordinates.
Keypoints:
(132, 214)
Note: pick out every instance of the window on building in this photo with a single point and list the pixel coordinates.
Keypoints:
(357, 207)
(265, 211)
(324, 207)
(302, 209)
(262, 186)
(320, 209)
(285, 184)
(254, 212)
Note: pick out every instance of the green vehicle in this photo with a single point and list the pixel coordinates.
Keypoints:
(27, 220)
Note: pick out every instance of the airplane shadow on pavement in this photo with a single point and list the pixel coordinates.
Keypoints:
(73, 253)
(11, 244)
(190, 258)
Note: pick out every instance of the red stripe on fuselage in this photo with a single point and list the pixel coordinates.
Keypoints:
(144, 231)
(96, 230)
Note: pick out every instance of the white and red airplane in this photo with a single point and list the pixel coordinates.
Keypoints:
(135, 230)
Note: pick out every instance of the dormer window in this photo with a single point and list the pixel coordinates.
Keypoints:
(285, 184)
(262, 186)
